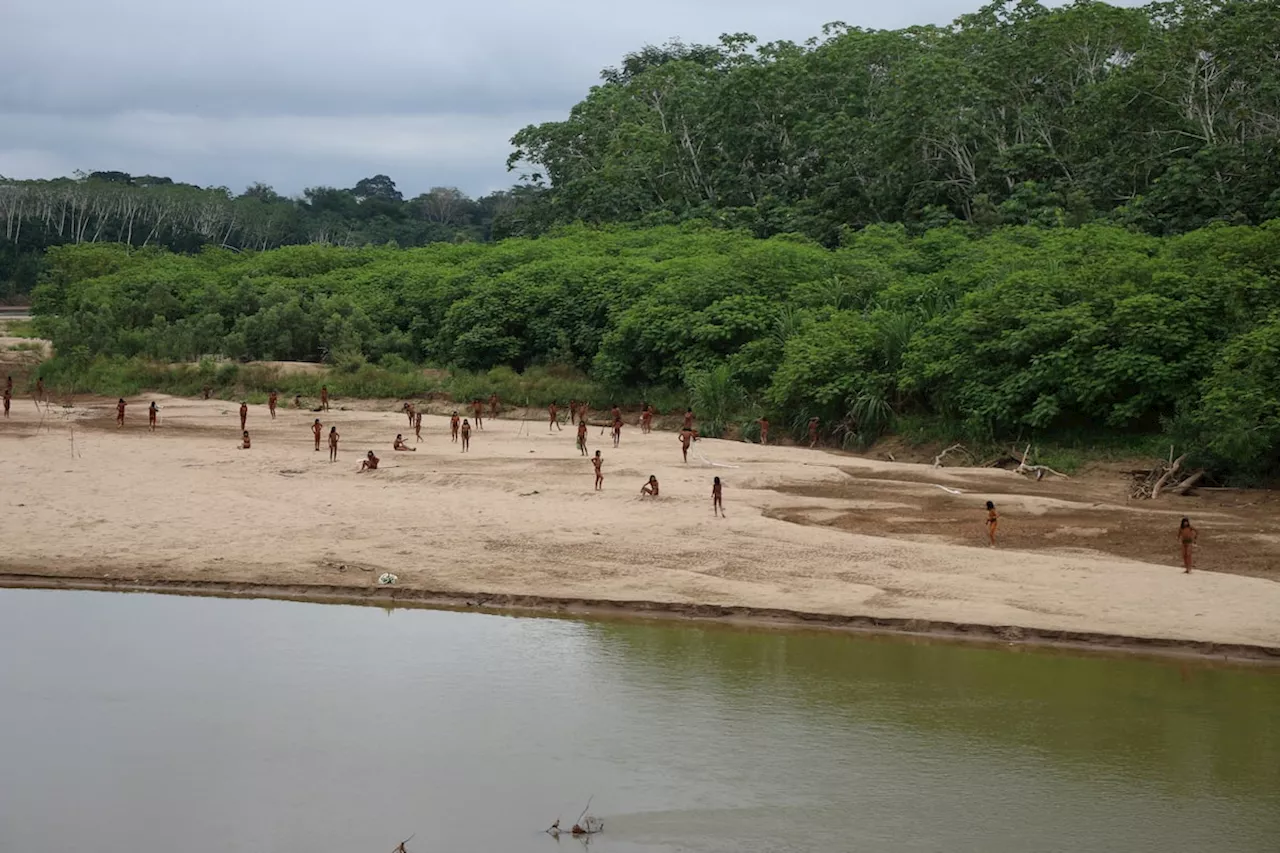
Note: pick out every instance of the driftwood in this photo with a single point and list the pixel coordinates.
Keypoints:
(1189, 483)
(937, 460)
(1038, 471)
(1164, 478)
(584, 825)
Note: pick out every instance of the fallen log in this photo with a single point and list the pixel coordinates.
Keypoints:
(937, 460)
(1189, 483)
(1165, 477)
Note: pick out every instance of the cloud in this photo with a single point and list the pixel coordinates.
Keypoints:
(325, 92)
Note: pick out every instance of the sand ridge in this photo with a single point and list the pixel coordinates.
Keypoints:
(518, 516)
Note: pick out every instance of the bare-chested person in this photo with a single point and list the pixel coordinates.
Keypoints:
(316, 429)
(573, 412)
(369, 463)
(333, 443)
(120, 404)
(1187, 536)
(688, 419)
(553, 412)
(650, 488)
(813, 432)
(271, 404)
(207, 392)
(466, 435)
(477, 411)
(244, 413)
(597, 462)
(8, 399)
(686, 437)
(717, 498)
(399, 444)
(764, 430)
(617, 429)
(582, 437)
(615, 414)
(584, 409)
(454, 424)
(244, 440)
(646, 419)
(152, 411)
(324, 399)
(297, 401)
(8, 384)
(40, 389)
(417, 426)
(495, 406)
(408, 411)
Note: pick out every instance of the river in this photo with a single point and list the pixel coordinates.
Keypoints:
(139, 723)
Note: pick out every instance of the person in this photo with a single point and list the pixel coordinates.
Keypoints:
(615, 414)
(399, 444)
(297, 401)
(40, 389)
(646, 420)
(717, 497)
(466, 435)
(1187, 536)
(333, 442)
(764, 430)
(244, 413)
(583, 409)
(813, 432)
(417, 426)
(686, 436)
(617, 430)
(573, 412)
(369, 463)
(650, 488)
(453, 426)
(120, 412)
(495, 406)
(477, 409)
(598, 461)
(8, 384)
(8, 398)
(244, 441)
(271, 404)
(688, 419)
(207, 391)
(555, 421)
(993, 521)
(324, 399)
(408, 411)
(582, 437)
(151, 415)
(316, 429)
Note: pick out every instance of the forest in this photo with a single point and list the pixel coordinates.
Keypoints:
(1032, 222)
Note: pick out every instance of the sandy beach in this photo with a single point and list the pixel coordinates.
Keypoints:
(808, 532)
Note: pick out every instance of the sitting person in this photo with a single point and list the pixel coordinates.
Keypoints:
(370, 463)
(400, 445)
(244, 444)
(650, 488)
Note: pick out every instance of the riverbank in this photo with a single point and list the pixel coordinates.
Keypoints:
(515, 523)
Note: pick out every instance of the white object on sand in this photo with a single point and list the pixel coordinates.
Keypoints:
(386, 578)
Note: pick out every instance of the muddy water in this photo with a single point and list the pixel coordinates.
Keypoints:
(132, 723)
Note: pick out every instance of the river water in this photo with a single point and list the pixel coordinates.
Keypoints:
(139, 723)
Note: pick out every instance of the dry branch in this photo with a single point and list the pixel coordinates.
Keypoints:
(1164, 478)
(937, 460)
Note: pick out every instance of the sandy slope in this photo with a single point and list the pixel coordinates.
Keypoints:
(518, 515)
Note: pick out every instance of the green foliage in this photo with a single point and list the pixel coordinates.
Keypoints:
(716, 398)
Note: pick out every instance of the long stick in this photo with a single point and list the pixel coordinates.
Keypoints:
(584, 810)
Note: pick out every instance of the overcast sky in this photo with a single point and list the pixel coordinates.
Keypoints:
(300, 94)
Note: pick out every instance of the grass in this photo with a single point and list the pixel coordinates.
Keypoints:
(18, 329)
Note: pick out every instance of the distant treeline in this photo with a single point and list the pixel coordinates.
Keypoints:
(142, 211)
(1019, 332)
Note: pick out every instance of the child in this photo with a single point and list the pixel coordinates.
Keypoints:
(333, 442)
(466, 435)
(993, 521)
(399, 444)
(370, 463)
(244, 442)
(598, 462)
(650, 488)
(717, 499)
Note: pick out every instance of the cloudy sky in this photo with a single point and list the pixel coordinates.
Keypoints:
(300, 94)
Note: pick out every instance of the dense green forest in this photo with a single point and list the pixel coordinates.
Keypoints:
(1025, 331)
(1029, 223)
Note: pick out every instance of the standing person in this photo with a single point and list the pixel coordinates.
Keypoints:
(151, 415)
(615, 414)
(688, 419)
(555, 421)
(650, 488)
(993, 521)
(582, 437)
(573, 412)
(333, 442)
(8, 398)
(495, 406)
(598, 462)
(417, 426)
(686, 436)
(8, 384)
(207, 391)
(408, 411)
(244, 440)
(120, 412)
(583, 409)
(324, 399)
(813, 432)
(453, 426)
(297, 401)
(369, 463)
(1187, 536)
(466, 435)
(477, 409)
(646, 420)
(40, 389)
(764, 430)
(717, 498)
(316, 429)
(271, 404)
(244, 413)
